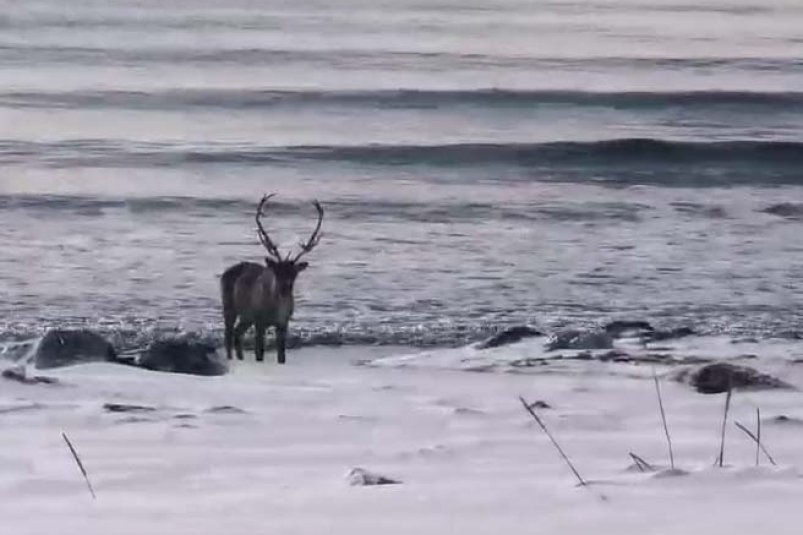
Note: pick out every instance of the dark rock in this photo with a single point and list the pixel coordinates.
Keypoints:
(619, 327)
(670, 472)
(225, 409)
(66, 347)
(580, 340)
(785, 209)
(15, 374)
(718, 377)
(122, 407)
(615, 355)
(509, 336)
(672, 334)
(359, 477)
(134, 420)
(786, 420)
(183, 356)
(128, 360)
(689, 359)
(529, 362)
(21, 376)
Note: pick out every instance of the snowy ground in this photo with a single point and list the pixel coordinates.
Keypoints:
(266, 449)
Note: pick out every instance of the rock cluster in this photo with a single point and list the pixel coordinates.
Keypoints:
(61, 347)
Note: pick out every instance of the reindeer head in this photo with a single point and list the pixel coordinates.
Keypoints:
(286, 269)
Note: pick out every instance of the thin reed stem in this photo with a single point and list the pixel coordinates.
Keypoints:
(641, 464)
(535, 416)
(750, 434)
(724, 423)
(80, 464)
(758, 434)
(663, 419)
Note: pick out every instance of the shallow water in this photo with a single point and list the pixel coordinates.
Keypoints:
(481, 163)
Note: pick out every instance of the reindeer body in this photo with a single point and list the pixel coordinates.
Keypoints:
(252, 295)
(262, 296)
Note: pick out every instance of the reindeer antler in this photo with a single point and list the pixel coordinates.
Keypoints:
(316, 234)
(263, 236)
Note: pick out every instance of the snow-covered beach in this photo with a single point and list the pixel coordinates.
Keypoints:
(268, 449)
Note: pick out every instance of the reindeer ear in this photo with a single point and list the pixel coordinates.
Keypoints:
(301, 266)
(271, 263)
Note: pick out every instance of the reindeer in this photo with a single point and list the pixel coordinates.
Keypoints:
(262, 296)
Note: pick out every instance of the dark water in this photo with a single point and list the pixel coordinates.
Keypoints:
(481, 163)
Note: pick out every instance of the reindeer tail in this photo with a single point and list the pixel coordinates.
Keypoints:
(227, 281)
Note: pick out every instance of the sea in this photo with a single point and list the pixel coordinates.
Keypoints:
(481, 164)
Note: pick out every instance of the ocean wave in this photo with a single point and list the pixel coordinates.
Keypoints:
(781, 160)
(353, 210)
(606, 152)
(370, 58)
(703, 210)
(176, 99)
(134, 204)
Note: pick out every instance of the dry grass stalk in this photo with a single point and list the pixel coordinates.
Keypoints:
(663, 419)
(724, 423)
(641, 464)
(80, 464)
(758, 434)
(757, 440)
(535, 416)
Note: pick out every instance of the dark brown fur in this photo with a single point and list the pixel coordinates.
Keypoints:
(262, 296)
(258, 296)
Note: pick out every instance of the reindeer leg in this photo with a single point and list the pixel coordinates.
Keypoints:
(281, 342)
(259, 341)
(228, 336)
(239, 331)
